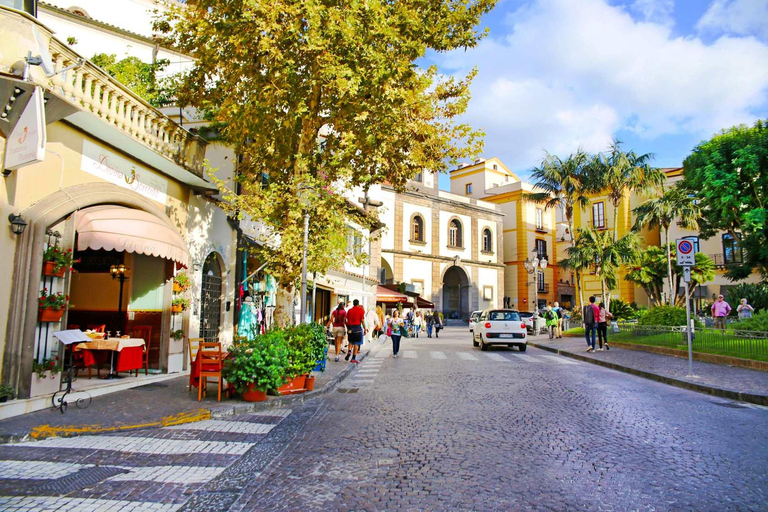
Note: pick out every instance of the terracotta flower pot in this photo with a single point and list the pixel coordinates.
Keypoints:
(48, 269)
(293, 386)
(310, 382)
(176, 309)
(253, 394)
(177, 288)
(49, 315)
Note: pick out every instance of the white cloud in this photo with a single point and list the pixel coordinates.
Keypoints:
(740, 17)
(570, 74)
(655, 11)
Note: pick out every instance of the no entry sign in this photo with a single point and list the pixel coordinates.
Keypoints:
(686, 255)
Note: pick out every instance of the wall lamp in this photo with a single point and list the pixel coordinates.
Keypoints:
(18, 225)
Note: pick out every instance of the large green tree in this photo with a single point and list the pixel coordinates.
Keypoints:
(324, 97)
(563, 184)
(729, 176)
(674, 204)
(135, 74)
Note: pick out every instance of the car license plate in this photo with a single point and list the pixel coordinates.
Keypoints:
(505, 335)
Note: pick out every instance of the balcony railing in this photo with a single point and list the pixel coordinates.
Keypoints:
(542, 288)
(89, 88)
(720, 260)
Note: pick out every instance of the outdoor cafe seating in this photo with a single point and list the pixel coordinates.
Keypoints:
(122, 354)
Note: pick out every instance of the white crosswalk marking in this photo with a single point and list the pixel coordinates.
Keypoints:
(466, 356)
(38, 503)
(169, 474)
(142, 445)
(15, 469)
(410, 354)
(238, 427)
(496, 357)
(437, 355)
(560, 359)
(530, 359)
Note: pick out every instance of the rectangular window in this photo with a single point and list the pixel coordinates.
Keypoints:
(468, 188)
(354, 241)
(732, 253)
(540, 282)
(598, 215)
(539, 219)
(541, 249)
(418, 177)
(487, 292)
(418, 285)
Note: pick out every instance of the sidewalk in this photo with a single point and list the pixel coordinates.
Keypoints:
(155, 405)
(714, 379)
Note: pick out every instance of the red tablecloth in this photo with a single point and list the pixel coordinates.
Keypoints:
(194, 370)
(129, 358)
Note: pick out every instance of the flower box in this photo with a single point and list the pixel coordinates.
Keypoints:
(49, 269)
(49, 315)
(46, 385)
(293, 386)
(176, 309)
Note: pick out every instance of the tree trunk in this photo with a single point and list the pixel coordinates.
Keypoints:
(284, 309)
(615, 222)
(578, 274)
(671, 299)
(602, 285)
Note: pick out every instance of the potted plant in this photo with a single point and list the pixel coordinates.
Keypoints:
(181, 282)
(256, 365)
(6, 392)
(50, 308)
(177, 334)
(179, 304)
(306, 344)
(57, 261)
(44, 381)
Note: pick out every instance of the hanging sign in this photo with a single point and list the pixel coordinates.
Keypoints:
(686, 255)
(26, 144)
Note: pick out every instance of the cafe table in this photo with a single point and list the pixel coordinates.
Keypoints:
(125, 354)
(194, 370)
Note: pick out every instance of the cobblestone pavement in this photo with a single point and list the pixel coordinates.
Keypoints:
(448, 427)
(443, 427)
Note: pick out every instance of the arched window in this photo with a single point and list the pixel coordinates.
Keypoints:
(455, 237)
(417, 229)
(487, 240)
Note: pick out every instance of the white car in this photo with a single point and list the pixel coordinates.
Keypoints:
(500, 327)
(473, 320)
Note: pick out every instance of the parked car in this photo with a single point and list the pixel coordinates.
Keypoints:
(473, 320)
(500, 327)
(527, 318)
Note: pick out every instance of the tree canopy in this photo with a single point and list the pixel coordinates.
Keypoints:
(135, 74)
(729, 176)
(324, 96)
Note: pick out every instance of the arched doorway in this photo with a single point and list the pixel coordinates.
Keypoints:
(210, 299)
(386, 276)
(456, 294)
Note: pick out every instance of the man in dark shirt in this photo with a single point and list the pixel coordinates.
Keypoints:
(356, 329)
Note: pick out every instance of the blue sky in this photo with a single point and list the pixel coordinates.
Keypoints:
(659, 75)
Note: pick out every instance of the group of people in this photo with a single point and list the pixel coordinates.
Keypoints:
(554, 316)
(353, 323)
(595, 318)
(721, 309)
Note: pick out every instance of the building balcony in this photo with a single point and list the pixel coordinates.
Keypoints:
(543, 288)
(90, 98)
(721, 262)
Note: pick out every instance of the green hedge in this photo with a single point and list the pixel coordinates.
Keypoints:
(671, 316)
(758, 322)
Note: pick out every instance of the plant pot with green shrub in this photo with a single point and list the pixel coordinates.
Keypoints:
(181, 282)
(306, 347)
(45, 377)
(179, 304)
(256, 365)
(6, 392)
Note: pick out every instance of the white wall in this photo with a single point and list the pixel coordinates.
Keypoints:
(487, 277)
(387, 217)
(466, 221)
(420, 270)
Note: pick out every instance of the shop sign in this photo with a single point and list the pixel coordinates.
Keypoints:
(122, 172)
(26, 144)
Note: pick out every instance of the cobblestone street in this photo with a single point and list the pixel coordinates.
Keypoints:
(443, 427)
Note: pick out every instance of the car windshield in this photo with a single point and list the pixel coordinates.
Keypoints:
(507, 316)
(526, 315)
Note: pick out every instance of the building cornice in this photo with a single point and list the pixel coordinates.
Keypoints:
(443, 200)
(447, 259)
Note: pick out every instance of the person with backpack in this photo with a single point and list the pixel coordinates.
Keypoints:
(559, 328)
(430, 320)
(589, 315)
(338, 322)
(551, 318)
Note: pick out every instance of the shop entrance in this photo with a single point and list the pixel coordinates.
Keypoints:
(456, 294)
(210, 299)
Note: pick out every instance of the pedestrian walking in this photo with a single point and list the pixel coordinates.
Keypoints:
(372, 321)
(418, 321)
(380, 314)
(395, 327)
(720, 310)
(438, 320)
(745, 310)
(338, 324)
(356, 329)
(551, 318)
(603, 316)
(560, 314)
(589, 316)
(430, 321)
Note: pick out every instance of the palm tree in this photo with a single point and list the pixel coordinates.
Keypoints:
(673, 203)
(579, 259)
(563, 185)
(648, 272)
(703, 272)
(620, 172)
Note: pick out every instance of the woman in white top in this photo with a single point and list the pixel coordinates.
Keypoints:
(744, 309)
(418, 321)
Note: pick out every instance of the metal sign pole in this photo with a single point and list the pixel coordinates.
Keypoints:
(688, 330)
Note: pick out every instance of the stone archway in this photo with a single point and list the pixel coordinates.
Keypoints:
(456, 294)
(28, 260)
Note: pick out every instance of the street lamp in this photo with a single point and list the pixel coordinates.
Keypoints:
(118, 272)
(532, 267)
(305, 201)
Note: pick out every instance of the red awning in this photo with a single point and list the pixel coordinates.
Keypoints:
(387, 295)
(424, 303)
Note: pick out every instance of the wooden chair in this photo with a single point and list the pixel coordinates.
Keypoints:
(210, 360)
(194, 346)
(143, 332)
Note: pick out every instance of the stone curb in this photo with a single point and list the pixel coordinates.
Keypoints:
(214, 412)
(693, 386)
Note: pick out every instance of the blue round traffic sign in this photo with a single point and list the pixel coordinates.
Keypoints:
(685, 247)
